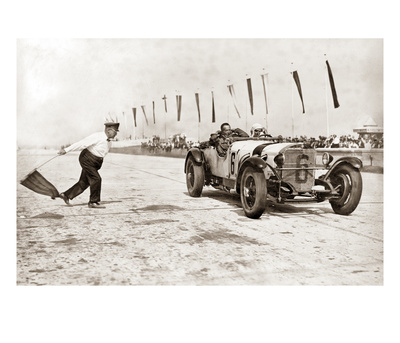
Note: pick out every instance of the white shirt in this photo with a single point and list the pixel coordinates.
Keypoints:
(96, 143)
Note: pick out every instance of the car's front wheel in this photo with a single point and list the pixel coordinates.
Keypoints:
(253, 192)
(348, 183)
(194, 177)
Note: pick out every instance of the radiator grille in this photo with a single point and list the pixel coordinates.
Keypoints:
(301, 179)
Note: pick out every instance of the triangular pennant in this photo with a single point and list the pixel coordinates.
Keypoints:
(134, 115)
(179, 105)
(297, 81)
(264, 78)
(198, 105)
(333, 89)
(165, 103)
(154, 112)
(232, 92)
(250, 91)
(144, 112)
(213, 108)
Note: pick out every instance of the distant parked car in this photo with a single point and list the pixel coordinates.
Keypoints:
(257, 168)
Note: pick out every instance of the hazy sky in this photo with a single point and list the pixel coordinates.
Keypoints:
(66, 87)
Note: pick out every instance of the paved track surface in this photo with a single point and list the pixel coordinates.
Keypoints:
(153, 233)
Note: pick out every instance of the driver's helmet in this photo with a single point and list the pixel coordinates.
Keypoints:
(256, 130)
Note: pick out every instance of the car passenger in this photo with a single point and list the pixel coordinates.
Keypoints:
(257, 130)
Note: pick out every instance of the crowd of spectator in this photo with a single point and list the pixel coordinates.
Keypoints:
(334, 141)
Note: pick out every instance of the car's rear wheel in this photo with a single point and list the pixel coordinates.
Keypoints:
(347, 182)
(253, 192)
(194, 177)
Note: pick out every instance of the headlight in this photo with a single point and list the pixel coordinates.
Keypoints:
(326, 158)
(279, 160)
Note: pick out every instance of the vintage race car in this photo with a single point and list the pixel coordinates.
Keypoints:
(262, 168)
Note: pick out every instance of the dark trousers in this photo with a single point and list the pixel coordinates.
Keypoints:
(89, 177)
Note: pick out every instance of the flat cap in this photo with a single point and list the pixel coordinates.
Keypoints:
(113, 125)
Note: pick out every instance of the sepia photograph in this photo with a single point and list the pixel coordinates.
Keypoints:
(234, 162)
(216, 184)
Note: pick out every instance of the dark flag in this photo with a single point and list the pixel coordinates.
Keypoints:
(213, 108)
(38, 183)
(297, 81)
(154, 113)
(134, 115)
(232, 92)
(198, 104)
(250, 94)
(165, 102)
(179, 105)
(332, 83)
(144, 112)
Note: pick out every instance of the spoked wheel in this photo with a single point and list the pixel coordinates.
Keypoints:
(194, 177)
(253, 192)
(347, 182)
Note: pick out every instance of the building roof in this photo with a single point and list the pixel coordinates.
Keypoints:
(370, 122)
(369, 127)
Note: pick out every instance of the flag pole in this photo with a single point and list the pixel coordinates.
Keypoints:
(134, 129)
(265, 82)
(165, 115)
(246, 110)
(267, 105)
(326, 100)
(143, 128)
(229, 81)
(198, 121)
(292, 101)
(126, 125)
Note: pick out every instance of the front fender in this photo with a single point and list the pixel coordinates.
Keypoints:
(197, 155)
(355, 162)
(254, 161)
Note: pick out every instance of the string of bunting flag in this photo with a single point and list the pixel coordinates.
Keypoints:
(231, 90)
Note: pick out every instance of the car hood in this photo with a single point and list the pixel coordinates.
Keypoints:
(262, 147)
